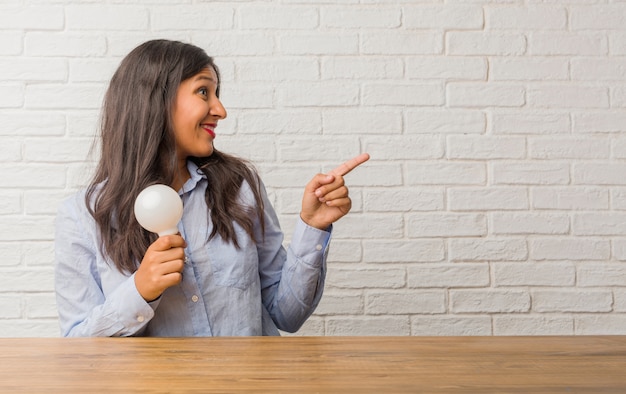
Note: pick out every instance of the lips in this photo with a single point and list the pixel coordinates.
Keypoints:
(209, 128)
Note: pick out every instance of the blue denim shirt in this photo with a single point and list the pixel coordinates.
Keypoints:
(255, 290)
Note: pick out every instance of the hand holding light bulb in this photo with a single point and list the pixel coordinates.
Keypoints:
(158, 208)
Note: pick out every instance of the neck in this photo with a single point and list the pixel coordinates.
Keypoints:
(182, 175)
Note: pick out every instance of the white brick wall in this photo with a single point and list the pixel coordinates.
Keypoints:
(495, 199)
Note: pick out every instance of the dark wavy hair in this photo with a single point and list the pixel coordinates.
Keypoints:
(138, 149)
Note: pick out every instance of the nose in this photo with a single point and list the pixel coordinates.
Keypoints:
(217, 109)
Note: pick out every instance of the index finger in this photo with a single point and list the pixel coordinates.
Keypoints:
(350, 164)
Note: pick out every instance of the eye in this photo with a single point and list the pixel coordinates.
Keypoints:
(204, 91)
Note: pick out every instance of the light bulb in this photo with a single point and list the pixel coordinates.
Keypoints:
(158, 208)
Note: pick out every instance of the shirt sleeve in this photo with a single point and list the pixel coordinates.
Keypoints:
(83, 307)
(292, 280)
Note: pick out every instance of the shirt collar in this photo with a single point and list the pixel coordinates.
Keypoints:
(196, 175)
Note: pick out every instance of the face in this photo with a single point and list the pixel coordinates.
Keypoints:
(195, 114)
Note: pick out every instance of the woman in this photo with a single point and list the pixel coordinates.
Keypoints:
(226, 272)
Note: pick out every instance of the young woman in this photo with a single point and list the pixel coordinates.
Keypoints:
(226, 272)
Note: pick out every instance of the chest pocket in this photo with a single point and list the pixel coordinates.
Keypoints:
(232, 267)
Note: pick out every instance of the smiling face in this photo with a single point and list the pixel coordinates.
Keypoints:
(195, 115)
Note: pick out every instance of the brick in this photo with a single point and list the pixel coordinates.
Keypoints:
(370, 278)
(10, 202)
(10, 150)
(319, 44)
(485, 43)
(64, 96)
(600, 324)
(598, 122)
(489, 301)
(598, 17)
(528, 69)
(618, 148)
(65, 44)
(191, 17)
(572, 248)
(27, 280)
(253, 96)
(38, 253)
(33, 69)
(368, 326)
(362, 17)
(403, 200)
(525, 122)
(20, 228)
(335, 149)
(569, 198)
(534, 274)
(618, 198)
(417, 94)
(446, 173)
(279, 69)
(593, 69)
(54, 150)
(346, 251)
(96, 17)
(450, 325)
(518, 223)
(340, 303)
(11, 43)
(301, 122)
(598, 173)
(599, 223)
(235, 43)
(449, 121)
(27, 176)
(530, 173)
(401, 43)
(31, 18)
(569, 148)
(405, 147)
(602, 274)
(567, 96)
(30, 328)
(403, 251)
(369, 225)
(478, 147)
(448, 275)
(404, 302)
(40, 306)
(11, 95)
(563, 44)
(92, 70)
(359, 67)
(446, 67)
(575, 300)
(10, 307)
(37, 203)
(526, 18)
(467, 249)
(458, 17)
(446, 225)
(319, 94)
(619, 300)
(617, 43)
(479, 95)
(492, 198)
(12, 254)
(533, 325)
(359, 122)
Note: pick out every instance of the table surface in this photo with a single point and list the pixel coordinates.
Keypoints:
(589, 364)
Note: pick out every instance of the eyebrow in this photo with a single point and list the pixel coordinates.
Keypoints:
(203, 77)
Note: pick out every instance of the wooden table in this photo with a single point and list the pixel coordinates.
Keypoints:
(588, 364)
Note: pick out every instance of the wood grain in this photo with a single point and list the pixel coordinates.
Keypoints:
(587, 364)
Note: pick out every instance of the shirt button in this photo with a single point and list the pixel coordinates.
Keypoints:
(194, 298)
(140, 319)
(318, 247)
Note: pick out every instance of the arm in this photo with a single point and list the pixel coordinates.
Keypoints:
(84, 308)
